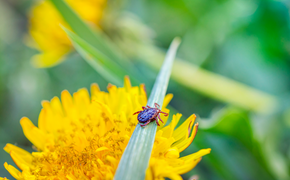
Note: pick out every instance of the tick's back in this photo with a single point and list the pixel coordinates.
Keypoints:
(147, 114)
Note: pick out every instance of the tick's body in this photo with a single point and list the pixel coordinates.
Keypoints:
(149, 114)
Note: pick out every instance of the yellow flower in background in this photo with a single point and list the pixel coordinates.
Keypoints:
(50, 39)
(83, 137)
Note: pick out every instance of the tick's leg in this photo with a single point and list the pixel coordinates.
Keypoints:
(157, 121)
(148, 106)
(165, 114)
(145, 124)
(160, 118)
(143, 107)
(157, 105)
(137, 112)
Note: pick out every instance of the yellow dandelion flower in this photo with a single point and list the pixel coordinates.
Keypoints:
(83, 137)
(50, 39)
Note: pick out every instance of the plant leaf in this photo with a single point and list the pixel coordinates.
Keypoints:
(99, 61)
(95, 38)
(136, 156)
(211, 84)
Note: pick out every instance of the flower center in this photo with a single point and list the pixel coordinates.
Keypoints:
(85, 150)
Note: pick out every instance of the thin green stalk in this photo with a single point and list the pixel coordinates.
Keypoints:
(135, 159)
(211, 84)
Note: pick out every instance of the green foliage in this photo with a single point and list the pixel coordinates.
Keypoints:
(244, 42)
(100, 62)
(94, 38)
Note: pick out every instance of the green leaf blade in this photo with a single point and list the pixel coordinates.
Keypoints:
(162, 80)
(110, 70)
(136, 156)
(79, 26)
(95, 38)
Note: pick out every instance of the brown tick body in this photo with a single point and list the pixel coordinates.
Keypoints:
(150, 114)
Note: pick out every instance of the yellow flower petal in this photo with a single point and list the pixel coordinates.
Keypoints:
(164, 119)
(167, 99)
(80, 138)
(196, 155)
(21, 157)
(13, 171)
(184, 127)
(36, 136)
(162, 144)
(20, 161)
(81, 101)
(3, 178)
(172, 153)
(56, 106)
(149, 174)
(191, 161)
(168, 130)
(49, 59)
(49, 37)
(10, 147)
(127, 83)
(184, 143)
(42, 121)
(67, 103)
(187, 166)
(95, 89)
(102, 149)
(49, 117)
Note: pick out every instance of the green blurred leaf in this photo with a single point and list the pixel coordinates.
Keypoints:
(211, 84)
(229, 132)
(232, 122)
(95, 38)
(100, 62)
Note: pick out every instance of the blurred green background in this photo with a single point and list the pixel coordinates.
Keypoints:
(247, 41)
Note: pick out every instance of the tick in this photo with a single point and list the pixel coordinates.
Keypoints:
(150, 114)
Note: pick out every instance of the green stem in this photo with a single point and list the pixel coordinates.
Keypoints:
(211, 84)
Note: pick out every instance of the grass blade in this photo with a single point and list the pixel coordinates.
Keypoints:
(94, 37)
(99, 61)
(135, 159)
